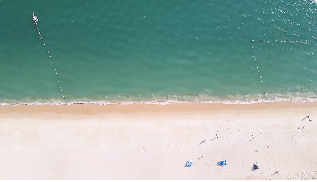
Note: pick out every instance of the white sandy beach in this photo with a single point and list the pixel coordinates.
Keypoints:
(154, 142)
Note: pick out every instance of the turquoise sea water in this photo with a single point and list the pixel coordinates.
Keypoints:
(144, 50)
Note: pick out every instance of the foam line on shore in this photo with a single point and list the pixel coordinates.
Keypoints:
(156, 102)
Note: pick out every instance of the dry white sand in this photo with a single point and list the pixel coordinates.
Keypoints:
(154, 142)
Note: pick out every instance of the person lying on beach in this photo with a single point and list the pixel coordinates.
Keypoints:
(214, 138)
(200, 157)
(204, 141)
(305, 118)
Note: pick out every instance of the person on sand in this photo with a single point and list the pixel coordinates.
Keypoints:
(308, 118)
(305, 118)
(200, 157)
(204, 141)
(256, 166)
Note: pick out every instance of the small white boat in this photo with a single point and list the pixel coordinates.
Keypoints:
(35, 19)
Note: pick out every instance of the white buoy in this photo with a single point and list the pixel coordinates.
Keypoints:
(56, 73)
(44, 44)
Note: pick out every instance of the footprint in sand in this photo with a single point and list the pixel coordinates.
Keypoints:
(142, 149)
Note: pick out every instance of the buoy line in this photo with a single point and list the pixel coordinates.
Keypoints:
(35, 20)
(257, 67)
(272, 41)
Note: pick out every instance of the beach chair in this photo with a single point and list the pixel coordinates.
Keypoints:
(222, 163)
(189, 163)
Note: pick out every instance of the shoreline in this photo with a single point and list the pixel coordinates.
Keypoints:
(163, 101)
(92, 109)
(155, 141)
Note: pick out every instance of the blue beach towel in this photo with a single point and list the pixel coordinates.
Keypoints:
(223, 163)
(189, 163)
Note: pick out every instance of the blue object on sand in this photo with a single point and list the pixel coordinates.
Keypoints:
(189, 163)
(223, 163)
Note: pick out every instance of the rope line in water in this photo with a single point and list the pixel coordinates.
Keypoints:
(35, 20)
(284, 41)
(257, 67)
(273, 41)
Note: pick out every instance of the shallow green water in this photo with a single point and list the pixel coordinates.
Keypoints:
(157, 50)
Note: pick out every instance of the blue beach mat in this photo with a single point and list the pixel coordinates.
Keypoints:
(189, 163)
(222, 163)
